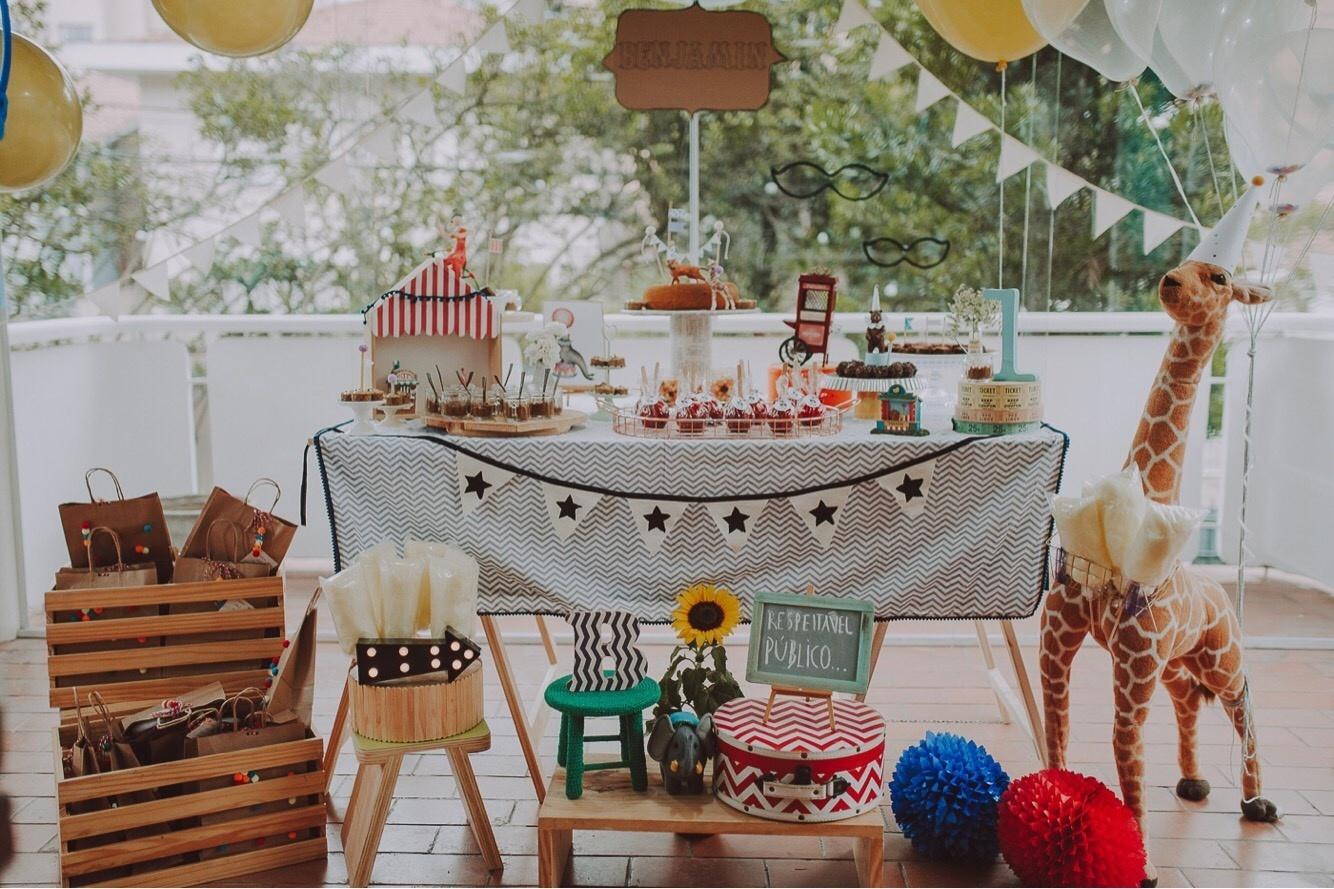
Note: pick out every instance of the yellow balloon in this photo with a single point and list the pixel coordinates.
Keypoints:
(990, 30)
(45, 119)
(236, 28)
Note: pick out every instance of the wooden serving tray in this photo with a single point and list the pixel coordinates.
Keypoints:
(562, 422)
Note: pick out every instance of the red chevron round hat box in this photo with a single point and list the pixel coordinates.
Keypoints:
(794, 767)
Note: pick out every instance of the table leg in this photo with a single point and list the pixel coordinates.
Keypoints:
(1034, 720)
(877, 642)
(868, 854)
(358, 788)
(553, 852)
(999, 687)
(497, 645)
(337, 735)
(363, 839)
(477, 817)
(547, 642)
(574, 758)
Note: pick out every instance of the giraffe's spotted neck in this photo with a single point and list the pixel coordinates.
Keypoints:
(1159, 447)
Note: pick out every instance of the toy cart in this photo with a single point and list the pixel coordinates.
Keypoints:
(815, 312)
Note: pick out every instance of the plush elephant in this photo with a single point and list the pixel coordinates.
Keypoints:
(682, 745)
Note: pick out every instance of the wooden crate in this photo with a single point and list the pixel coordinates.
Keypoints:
(163, 842)
(145, 658)
(202, 826)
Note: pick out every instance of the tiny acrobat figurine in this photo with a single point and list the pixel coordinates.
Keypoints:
(457, 259)
(877, 337)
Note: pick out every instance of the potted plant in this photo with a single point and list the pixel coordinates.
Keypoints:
(697, 676)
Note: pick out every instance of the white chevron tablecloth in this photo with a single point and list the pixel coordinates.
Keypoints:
(977, 549)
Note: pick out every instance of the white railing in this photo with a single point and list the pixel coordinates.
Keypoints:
(178, 403)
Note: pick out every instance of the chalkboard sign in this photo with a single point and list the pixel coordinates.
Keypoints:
(818, 642)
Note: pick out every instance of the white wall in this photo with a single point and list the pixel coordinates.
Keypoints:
(1292, 457)
(126, 406)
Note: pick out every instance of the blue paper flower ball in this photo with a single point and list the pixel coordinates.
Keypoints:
(944, 793)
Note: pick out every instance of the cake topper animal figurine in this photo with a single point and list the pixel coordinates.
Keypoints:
(877, 337)
(1185, 633)
(681, 270)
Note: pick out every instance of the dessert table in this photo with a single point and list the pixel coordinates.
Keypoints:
(943, 526)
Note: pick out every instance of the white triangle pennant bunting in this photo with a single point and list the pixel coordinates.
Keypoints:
(1158, 227)
(421, 109)
(246, 230)
(201, 255)
(820, 512)
(336, 174)
(567, 507)
(495, 40)
(967, 124)
(291, 207)
(1061, 183)
(852, 15)
(531, 12)
(1108, 209)
(382, 143)
(454, 78)
(911, 487)
(929, 90)
(478, 481)
(1015, 157)
(109, 299)
(654, 519)
(889, 57)
(736, 519)
(155, 280)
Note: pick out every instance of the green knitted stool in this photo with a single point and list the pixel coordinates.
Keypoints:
(575, 706)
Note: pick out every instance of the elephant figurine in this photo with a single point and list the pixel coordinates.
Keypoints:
(682, 745)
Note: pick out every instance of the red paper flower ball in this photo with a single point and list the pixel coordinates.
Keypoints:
(1059, 828)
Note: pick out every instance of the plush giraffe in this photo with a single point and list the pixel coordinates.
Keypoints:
(1187, 635)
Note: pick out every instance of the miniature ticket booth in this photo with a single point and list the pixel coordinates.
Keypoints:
(433, 318)
(900, 412)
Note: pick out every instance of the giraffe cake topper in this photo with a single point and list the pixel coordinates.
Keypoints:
(1185, 633)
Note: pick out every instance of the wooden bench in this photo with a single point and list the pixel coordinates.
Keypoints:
(609, 803)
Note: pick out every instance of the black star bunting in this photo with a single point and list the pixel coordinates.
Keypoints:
(476, 485)
(657, 520)
(910, 488)
(736, 520)
(824, 514)
(568, 508)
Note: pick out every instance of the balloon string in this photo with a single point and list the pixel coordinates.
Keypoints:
(4, 65)
(1028, 184)
(1055, 153)
(1176, 180)
(1197, 118)
(1000, 214)
(1297, 93)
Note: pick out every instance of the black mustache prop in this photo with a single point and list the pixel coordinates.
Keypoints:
(926, 258)
(807, 180)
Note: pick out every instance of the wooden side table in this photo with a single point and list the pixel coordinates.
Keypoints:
(373, 793)
(610, 803)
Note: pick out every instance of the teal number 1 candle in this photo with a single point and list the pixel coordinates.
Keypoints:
(1009, 301)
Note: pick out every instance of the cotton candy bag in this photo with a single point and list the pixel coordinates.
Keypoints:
(1079, 521)
(1123, 508)
(401, 583)
(1162, 535)
(350, 604)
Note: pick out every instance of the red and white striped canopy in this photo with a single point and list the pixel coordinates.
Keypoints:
(433, 301)
(474, 316)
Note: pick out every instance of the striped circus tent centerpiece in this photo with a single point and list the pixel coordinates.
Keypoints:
(433, 300)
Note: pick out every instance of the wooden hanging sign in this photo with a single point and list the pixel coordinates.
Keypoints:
(692, 59)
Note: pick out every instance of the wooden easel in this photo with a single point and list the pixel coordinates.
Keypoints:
(794, 691)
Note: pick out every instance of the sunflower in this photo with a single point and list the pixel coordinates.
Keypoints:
(705, 614)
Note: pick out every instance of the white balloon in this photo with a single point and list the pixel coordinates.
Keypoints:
(1312, 183)
(1190, 31)
(1252, 23)
(1083, 31)
(1278, 100)
(1136, 23)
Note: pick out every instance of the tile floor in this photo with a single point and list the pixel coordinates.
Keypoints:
(918, 688)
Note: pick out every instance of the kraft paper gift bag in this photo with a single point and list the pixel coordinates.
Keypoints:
(158, 734)
(138, 520)
(112, 575)
(84, 758)
(264, 531)
(218, 564)
(291, 698)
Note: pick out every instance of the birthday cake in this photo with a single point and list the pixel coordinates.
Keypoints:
(998, 407)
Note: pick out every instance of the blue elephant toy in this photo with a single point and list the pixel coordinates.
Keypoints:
(682, 745)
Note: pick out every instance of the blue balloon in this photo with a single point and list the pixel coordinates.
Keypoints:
(943, 793)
